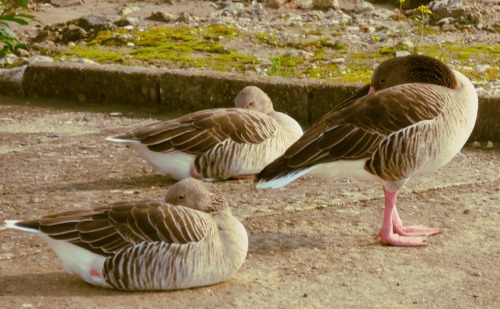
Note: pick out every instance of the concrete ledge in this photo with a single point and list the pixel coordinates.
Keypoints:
(11, 81)
(188, 90)
(94, 83)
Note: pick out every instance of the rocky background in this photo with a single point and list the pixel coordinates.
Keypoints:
(360, 26)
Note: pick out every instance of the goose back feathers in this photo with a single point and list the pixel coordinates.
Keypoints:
(217, 143)
(415, 117)
(189, 240)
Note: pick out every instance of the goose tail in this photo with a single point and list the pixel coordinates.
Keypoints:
(278, 174)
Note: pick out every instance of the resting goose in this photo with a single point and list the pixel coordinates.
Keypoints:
(217, 144)
(415, 117)
(149, 244)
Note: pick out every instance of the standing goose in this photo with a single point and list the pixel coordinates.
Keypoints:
(218, 143)
(415, 117)
(149, 244)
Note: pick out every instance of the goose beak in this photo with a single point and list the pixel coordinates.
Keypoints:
(372, 90)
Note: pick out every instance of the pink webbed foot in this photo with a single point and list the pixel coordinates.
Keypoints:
(412, 230)
(394, 233)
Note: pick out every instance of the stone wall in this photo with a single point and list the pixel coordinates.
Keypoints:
(188, 90)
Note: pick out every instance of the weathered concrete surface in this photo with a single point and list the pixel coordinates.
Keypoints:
(11, 81)
(94, 83)
(488, 120)
(188, 90)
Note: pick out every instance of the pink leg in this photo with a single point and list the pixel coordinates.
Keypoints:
(95, 273)
(194, 173)
(394, 233)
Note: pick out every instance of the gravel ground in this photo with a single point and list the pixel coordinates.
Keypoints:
(311, 243)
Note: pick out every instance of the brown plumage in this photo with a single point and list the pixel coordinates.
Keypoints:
(217, 143)
(416, 115)
(190, 239)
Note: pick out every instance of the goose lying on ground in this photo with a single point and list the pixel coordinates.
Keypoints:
(416, 116)
(149, 244)
(217, 144)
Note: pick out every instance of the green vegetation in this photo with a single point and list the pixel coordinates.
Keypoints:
(207, 47)
(10, 12)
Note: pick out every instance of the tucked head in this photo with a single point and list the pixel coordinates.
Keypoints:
(254, 98)
(197, 195)
(412, 69)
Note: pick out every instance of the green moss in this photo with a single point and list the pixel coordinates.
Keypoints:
(387, 51)
(267, 38)
(219, 30)
(96, 54)
(205, 47)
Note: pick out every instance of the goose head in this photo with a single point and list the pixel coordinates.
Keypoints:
(254, 98)
(412, 69)
(197, 195)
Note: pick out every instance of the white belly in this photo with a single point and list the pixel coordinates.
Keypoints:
(175, 164)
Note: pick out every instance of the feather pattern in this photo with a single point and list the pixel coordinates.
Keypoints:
(151, 244)
(218, 143)
(392, 130)
(414, 118)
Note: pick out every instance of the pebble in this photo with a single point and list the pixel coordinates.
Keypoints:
(476, 144)
(6, 256)
(337, 60)
(489, 145)
(378, 23)
(402, 53)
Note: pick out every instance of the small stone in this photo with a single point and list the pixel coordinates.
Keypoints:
(326, 4)
(482, 67)
(477, 273)
(466, 211)
(378, 37)
(476, 144)
(87, 61)
(449, 27)
(363, 7)
(65, 3)
(337, 60)
(6, 256)
(162, 17)
(128, 10)
(38, 58)
(23, 53)
(116, 114)
(305, 295)
(489, 145)
(402, 53)
(275, 4)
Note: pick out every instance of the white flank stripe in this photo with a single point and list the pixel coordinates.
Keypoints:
(283, 180)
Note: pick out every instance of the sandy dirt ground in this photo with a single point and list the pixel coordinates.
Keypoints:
(311, 243)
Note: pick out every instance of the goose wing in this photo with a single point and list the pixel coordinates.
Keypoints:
(106, 230)
(199, 132)
(355, 129)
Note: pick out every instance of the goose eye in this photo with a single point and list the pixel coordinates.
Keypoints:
(181, 197)
(250, 104)
(382, 81)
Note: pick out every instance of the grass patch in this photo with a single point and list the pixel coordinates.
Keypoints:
(205, 47)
